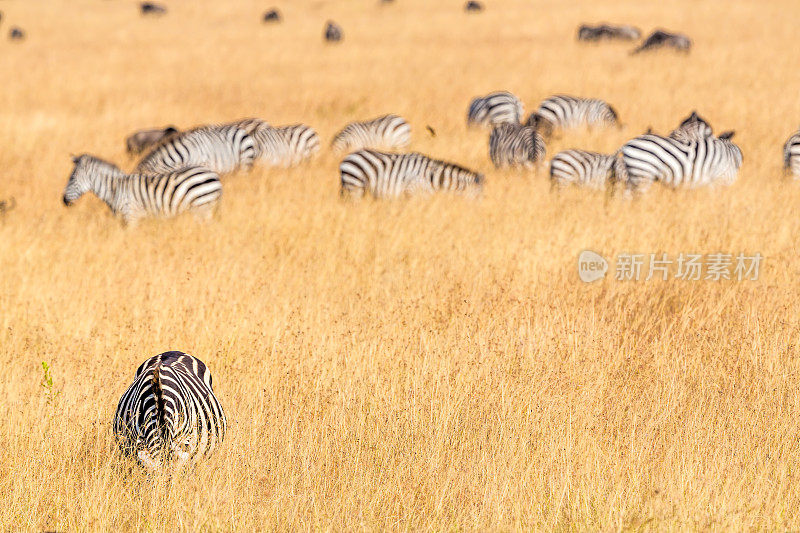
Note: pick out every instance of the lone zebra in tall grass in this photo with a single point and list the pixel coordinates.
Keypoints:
(389, 132)
(791, 155)
(513, 145)
(495, 108)
(693, 128)
(169, 414)
(582, 168)
(222, 149)
(563, 112)
(674, 163)
(134, 196)
(387, 175)
(285, 146)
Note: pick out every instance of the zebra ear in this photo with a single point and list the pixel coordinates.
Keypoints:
(727, 136)
(75, 158)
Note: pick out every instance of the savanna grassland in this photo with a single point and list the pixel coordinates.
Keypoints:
(430, 364)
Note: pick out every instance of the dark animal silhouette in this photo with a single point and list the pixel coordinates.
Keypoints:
(333, 32)
(661, 38)
(608, 31)
(151, 8)
(431, 131)
(273, 15)
(16, 34)
(473, 7)
(6, 206)
(141, 140)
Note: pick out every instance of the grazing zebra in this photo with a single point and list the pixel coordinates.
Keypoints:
(512, 145)
(388, 132)
(582, 168)
(134, 196)
(608, 31)
(661, 38)
(386, 175)
(791, 155)
(674, 163)
(285, 146)
(141, 140)
(169, 414)
(219, 148)
(563, 111)
(693, 128)
(333, 32)
(495, 108)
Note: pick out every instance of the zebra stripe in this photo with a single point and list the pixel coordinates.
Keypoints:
(169, 414)
(674, 163)
(582, 168)
(512, 145)
(386, 175)
(134, 196)
(495, 108)
(285, 146)
(222, 149)
(389, 132)
(791, 155)
(693, 128)
(564, 111)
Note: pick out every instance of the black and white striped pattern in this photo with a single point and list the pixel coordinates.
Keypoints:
(169, 414)
(674, 163)
(135, 196)
(389, 132)
(222, 149)
(387, 175)
(791, 155)
(514, 145)
(564, 112)
(495, 108)
(285, 146)
(582, 168)
(693, 128)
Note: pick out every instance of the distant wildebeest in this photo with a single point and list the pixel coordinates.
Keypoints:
(273, 15)
(333, 32)
(608, 31)
(661, 38)
(139, 141)
(6, 206)
(151, 8)
(473, 7)
(16, 34)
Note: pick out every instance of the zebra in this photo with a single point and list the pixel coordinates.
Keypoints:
(495, 108)
(693, 128)
(582, 168)
(562, 111)
(134, 196)
(791, 155)
(661, 38)
(285, 146)
(222, 149)
(608, 31)
(169, 414)
(512, 145)
(386, 175)
(674, 163)
(389, 131)
(139, 141)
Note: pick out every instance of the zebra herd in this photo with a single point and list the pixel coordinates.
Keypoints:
(689, 156)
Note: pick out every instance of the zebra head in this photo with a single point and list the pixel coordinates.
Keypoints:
(82, 178)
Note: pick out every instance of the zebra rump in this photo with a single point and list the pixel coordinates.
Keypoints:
(495, 108)
(285, 146)
(169, 415)
(221, 148)
(387, 175)
(563, 111)
(791, 155)
(389, 132)
(582, 168)
(513, 145)
(674, 163)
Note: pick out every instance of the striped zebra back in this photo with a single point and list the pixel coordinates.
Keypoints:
(514, 145)
(387, 175)
(169, 414)
(222, 149)
(791, 155)
(675, 163)
(564, 111)
(582, 168)
(286, 146)
(495, 108)
(389, 132)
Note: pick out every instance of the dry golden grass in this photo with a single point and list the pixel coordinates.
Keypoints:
(432, 364)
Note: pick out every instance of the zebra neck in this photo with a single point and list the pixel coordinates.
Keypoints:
(108, 184)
